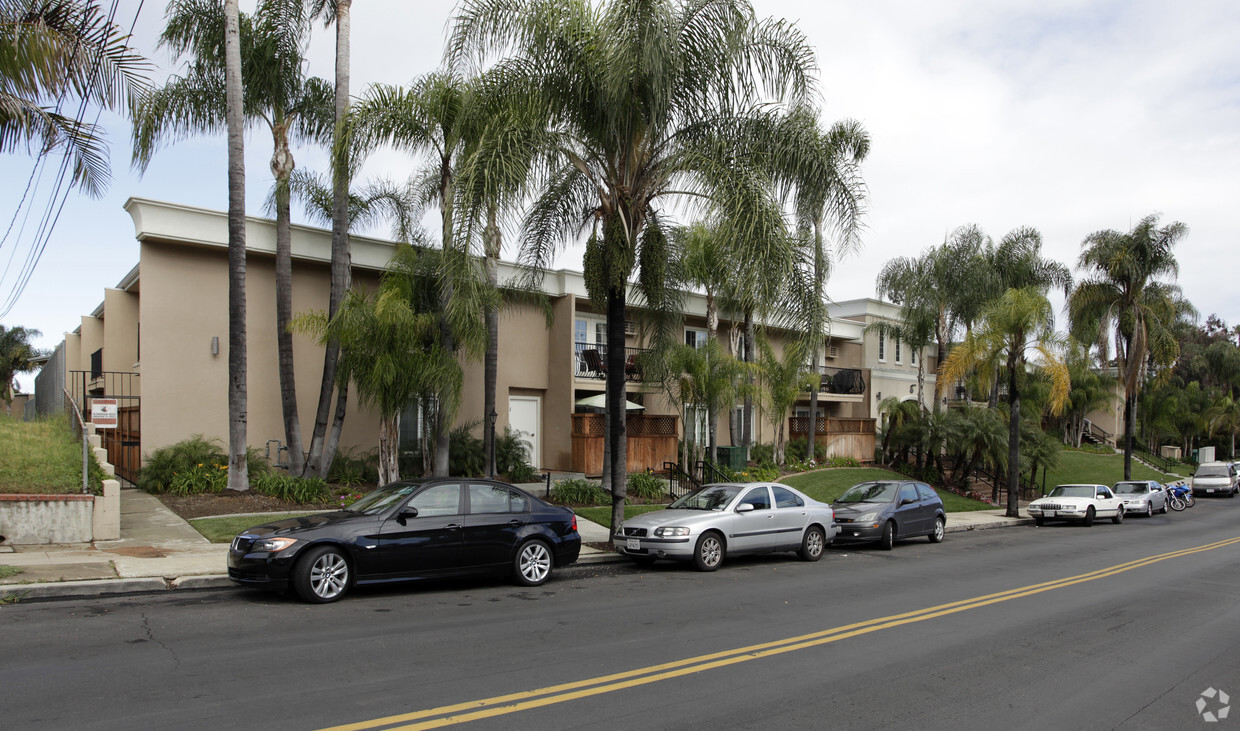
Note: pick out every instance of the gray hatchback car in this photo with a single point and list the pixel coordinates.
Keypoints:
(886, 511)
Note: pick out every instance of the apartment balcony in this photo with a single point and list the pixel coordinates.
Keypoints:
(834, 437)
(842, 381)
(591, 362)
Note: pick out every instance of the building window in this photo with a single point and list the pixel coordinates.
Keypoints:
(914, 356)
(695, 338)
(882, 348)
(899, 357)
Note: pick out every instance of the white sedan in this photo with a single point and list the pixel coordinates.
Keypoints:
(1078, 502)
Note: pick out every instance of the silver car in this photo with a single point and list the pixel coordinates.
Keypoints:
(717, 520)
(1141, 497)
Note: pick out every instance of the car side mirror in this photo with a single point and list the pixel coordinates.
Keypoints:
(744, 508)
(907, 501)
(406, 513)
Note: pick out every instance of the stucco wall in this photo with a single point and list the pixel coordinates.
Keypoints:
(183, 305)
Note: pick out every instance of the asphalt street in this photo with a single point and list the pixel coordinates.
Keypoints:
(1113, 626)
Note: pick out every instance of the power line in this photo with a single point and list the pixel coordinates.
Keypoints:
(43, 236)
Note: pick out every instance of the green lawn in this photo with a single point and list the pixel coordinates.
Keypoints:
(42, 457)
(1099, 469)
(827, 485)
(222, 530)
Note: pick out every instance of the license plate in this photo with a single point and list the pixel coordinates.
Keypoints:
(1209, 490)
(634, 544)
(1048, 513)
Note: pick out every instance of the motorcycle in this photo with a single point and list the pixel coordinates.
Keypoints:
(1179, 496)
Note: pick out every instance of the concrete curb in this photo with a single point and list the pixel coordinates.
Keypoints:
(81, 589)
(1008, 523)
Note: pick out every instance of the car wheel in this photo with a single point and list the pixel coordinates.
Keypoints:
(1119, 516)
(1089, 516)
(812, 544)
(709, 552)
(1149, 510)
(322, 575)
(940, 528)
(1039, 521)
(1163, 509)
(532, 564)
(889, 536)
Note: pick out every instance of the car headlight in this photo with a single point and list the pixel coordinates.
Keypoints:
(866, 518)
(669, 531)
(272, 545)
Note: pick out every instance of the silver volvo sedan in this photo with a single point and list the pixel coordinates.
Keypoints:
(729, 519)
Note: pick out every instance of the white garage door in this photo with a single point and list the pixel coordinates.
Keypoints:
(525, 416)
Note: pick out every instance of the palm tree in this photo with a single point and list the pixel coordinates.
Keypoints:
(389, 346)
(702, 379)
(278, 94)
(323, 442)
(55, 52)
(434, 115)
(978, 436)
(1122, 295)
(238, 469)
(1019, 321)
(824, 170)
(16, 352)
(782, 381)
(641, 103)
(1091, 390)
(1224, 415)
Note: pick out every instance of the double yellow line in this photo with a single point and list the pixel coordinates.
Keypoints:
(514, 702)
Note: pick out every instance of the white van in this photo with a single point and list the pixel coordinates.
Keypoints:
(1215, 478)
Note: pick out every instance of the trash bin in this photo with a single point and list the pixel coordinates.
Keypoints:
(733, 458)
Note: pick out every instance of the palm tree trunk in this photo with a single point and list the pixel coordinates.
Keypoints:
(1013, 470)
(238, 474)
(443, 436)
(333, 434)
(747, 427)
(814, 382)
(617, 428)
(389, 465)
(1130, 423)
(282, 168)
(320, 459)
(490, 368)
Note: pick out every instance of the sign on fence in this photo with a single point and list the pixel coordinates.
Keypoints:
(103, 413)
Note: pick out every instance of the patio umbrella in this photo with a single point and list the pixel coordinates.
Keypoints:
(599, 402)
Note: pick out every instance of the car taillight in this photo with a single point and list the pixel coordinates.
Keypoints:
(574, 522)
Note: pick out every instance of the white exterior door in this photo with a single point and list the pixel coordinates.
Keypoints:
(525, 416)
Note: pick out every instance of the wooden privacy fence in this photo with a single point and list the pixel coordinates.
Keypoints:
(650, 441)
(837, 437)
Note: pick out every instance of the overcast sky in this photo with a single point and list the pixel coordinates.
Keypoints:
(1067, 116)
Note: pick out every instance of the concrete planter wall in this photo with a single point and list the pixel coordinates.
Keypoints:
(36, 519)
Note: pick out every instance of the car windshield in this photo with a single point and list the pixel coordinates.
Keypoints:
(711, 497)
(1212, 470)
(1073, 491)
(1132, 488)
(870, 492)
(383, 498)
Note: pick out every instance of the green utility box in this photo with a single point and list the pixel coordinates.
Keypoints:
(734, 458)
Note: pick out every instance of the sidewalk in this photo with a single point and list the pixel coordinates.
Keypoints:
(159, 551)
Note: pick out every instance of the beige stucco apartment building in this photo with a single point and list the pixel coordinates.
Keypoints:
(159, 341)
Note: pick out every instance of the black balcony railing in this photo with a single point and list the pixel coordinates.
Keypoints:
(591, 361)
(844, 381)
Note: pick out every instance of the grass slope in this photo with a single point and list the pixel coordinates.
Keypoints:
(827, 485)
(1098, 469)
(42, 458)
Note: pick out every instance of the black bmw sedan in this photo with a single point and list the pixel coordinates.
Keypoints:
(407, 530)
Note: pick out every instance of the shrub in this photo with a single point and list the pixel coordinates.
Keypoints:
(1092, 448)
(759, 473)
(349, 469)
(306, 490)
(465, 457)
(200, 478)
(579, 492)
(512, 457)
(762, 453)
(645, 486)
(165, 463)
